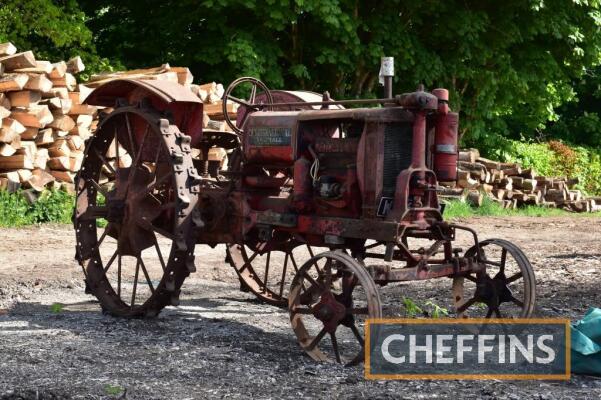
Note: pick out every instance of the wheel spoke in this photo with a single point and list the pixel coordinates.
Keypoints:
(358, 311)
(466, 305)
(108, 265)
(317, 339)
(99, 188)
(133, 292)
(513, 278)
(249, 261)
(313, 282)
(335, 346)
(357, 334)
(471, 278)
(119, 276)
(104, 161)
(517, 301)
(240, 101)
(144, 223)
(303, 310)
(130, 135)
(371, 246)
(282, 282)
(151, 187)
(503, 260)
(159, 254)
(135, 163)
(146, 275)
(266, 271)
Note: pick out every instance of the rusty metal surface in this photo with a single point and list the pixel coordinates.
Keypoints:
(167, 91)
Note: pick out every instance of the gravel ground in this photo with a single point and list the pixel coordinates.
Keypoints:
(221, 343)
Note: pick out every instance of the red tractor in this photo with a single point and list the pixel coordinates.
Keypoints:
(317, 207)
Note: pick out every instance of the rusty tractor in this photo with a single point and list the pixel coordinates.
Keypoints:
(318, 207)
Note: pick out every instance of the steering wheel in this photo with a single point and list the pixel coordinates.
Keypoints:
(249, 104)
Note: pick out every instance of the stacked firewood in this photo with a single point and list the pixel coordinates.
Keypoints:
(513, 186)
(44, 123)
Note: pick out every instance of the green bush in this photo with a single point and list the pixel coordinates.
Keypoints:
(51, 206)
(555, 158)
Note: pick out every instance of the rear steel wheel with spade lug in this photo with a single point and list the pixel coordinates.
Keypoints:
(137, 181)
(506, 289)
(330, 299)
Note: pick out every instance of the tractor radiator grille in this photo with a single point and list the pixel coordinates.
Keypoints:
(398, 140)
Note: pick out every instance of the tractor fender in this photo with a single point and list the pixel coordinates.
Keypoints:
(177, 102)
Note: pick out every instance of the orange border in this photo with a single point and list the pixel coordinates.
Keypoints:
(468, 321)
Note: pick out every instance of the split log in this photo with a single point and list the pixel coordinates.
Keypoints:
(12, 82)
(36, 116)
(513, 171)
(7, 49)
(59, 70)
(58, 106)
(18, 60)
(62, 123)
(7, 150)
(24, 98)
(30, 133)
(10, 129)
(475, 198)
(39, 82)
(44, 137)
(470, 155)
(60, 92)
(59, 163)
(41, 67)
(39, 179)
(78, 109)
(63, 176)
(67, 80)
(465, 180)
(184, 76)
(75, 65)
(60, 148)
(19, 161)
(41, 158)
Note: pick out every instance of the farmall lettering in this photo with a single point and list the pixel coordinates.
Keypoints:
(317, 208)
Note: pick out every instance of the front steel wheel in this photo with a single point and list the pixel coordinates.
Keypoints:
(135, 213)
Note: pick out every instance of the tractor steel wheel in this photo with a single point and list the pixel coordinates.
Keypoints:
(507, 289)
(267, 268)
(333, 295)
(137, 181)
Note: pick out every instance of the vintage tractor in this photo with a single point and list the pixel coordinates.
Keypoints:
(320, 206)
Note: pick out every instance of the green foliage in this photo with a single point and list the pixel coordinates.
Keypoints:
(508, 65)
(51, 206)
(52, 29)
(555, 158)
(57, 308)
(457, 209)
(436, 311)
(411, 308)
(113, 390)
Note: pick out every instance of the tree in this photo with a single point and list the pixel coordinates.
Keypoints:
(54, 30)
(508, 64)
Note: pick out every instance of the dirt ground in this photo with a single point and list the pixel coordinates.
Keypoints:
(222, 343)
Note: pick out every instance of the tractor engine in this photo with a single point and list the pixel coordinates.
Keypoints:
(372, 164)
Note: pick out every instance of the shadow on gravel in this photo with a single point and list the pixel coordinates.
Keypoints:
(577, 255)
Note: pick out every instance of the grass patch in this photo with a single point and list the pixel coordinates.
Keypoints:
(457, 209)
(51, 206)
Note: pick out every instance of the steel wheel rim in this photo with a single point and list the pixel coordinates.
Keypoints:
(306, 306)
(163, 286)
(493, 291)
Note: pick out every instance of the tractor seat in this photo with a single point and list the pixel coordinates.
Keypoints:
(212, 138)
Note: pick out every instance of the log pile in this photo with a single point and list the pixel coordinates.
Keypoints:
(513, 186)
(44, 124)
